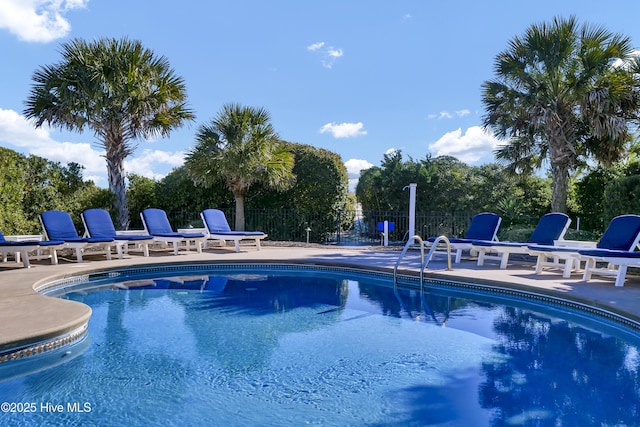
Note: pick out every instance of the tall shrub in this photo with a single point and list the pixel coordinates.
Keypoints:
(621, 197)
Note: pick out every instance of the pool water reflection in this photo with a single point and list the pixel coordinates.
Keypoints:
(318, 348)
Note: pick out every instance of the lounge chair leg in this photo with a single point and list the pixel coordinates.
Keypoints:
(568, 267)
(577, 264)
(588, 266)
(145, 248)
(237, 245)
(25, 258)
(481, 257)
(119, 250)
(539, 262)
(504, 260)
(175, 248)
(54, 256)
(78, 255)
(199, 244)
(458, 256)
(622, 274)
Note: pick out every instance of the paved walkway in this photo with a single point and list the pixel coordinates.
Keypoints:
(28, 317)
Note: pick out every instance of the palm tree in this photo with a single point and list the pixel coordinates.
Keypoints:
(116, 88)
(240, 147)
(563, 93)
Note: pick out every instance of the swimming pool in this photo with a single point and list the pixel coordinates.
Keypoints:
(288, 345)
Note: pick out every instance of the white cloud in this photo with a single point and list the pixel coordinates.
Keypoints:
(334, 53)
(17, 131)
(315, 46)
(328, 54)
(354, 167)
(468, 148)
(78, 152)
(626, 64)
(448, 115)
(37, 20)
(390, 151)
(344, 130)
(149, 159)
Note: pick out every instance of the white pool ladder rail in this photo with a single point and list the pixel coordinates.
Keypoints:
(423, 261)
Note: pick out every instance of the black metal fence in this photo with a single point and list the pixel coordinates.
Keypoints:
(366, 229)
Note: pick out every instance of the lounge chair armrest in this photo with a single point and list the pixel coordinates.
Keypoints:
(192, 230)
(24, 237)
(575, 243)
(131, 232)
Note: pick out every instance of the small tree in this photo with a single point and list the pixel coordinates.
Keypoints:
(240, 147)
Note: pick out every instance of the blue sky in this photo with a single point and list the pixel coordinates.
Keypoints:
(355, 77)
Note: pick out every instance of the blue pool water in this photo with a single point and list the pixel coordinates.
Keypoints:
(265, 348)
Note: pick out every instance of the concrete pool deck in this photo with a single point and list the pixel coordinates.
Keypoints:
(28, 317)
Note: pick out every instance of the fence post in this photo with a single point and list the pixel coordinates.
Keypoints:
(412, 211)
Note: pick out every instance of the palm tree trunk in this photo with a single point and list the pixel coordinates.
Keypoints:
(115, 169)
(561, 157)
(239, 212)
(560, 174)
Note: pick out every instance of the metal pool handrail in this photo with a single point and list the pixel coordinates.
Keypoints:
(423, 261)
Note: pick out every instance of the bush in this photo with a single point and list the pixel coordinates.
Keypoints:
(589, 193)
(516, 234)
(621, 197)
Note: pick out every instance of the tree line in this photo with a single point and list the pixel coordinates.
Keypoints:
(563, 94)
(445, 184)
(32, 184)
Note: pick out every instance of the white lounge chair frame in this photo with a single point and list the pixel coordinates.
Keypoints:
(566, 254)
(503, 252)
(236, 238)
(79, 247)
(567, 259)
(460, 247)
(26, 253)
(616, 267)
(122, 244)
(175, 240)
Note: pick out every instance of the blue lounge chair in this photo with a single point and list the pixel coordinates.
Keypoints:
(157, 225)
(619, 251)
(483, 226)
(57, 225)
(98, 223)
(622, 234)
(551, 227)
(218, 229)
(21, 249)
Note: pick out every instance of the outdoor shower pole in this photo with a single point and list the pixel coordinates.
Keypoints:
(412, 211)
